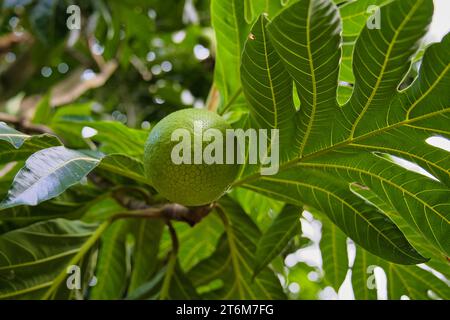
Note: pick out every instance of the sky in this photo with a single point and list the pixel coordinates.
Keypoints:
(441, 21)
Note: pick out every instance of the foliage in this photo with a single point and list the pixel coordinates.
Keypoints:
(356, 108)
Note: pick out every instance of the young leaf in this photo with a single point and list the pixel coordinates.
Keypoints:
(285, 226)
(47, 174)
(125, 166)
(333, 246)
(113, 136)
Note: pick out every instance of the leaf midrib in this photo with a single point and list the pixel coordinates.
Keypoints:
(313, 80)
(52, 172)
(383, 68)
(347, 142)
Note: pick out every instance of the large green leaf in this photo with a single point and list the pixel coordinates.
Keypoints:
(268, 87)
(228, 20)
(23, 215)
(306, 35)
(284, 227)
(46, 174)
(437, 260)
(414, 282)
(114, 137)
(178, 285)
(354, 17)
(355, 13)
(381, 60)
(361, 221)
(231, 265)
(407, 191)
(31, 258)
(352, 143)
(411, 281)
(127, 257)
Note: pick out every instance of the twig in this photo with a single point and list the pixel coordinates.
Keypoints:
(9, 40)
(213, 98)
(169, 212)
(174, 238)
(73, 86)
(171, 264)
(24, 125)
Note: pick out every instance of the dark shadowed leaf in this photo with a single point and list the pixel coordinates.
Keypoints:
(31, 258)
(231, 264)
(285, 226)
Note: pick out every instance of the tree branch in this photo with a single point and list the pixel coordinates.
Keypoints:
(24, 125)
(168, 212)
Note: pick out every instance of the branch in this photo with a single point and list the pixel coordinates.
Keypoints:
(171, 264)
(9, 40)
(24, 125)
(73, 87)
(213, 99)
(168, 212)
